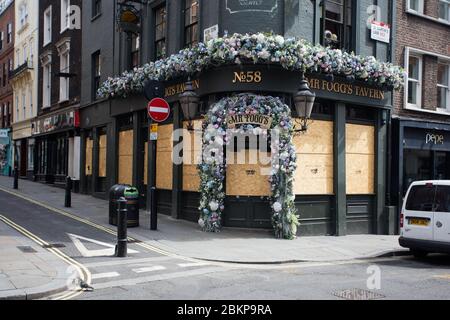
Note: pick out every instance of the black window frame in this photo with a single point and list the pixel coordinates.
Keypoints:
(162, 39)
(96, 8)
(345, 24)
(191, 26)
(96, 73)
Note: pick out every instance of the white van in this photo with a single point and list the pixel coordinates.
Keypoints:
(425, 218)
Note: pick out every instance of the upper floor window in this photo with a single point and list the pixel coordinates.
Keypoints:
(135, 44)
(336, 24)
(415, 81)
(1, 40)
(443, 92)
(160, 32)
(444, 10)
(65, 8)
(191, 32)
(47, 26)
(96, 73)
(9, 33)
(96, 8)
(416, 5)
(23, 14)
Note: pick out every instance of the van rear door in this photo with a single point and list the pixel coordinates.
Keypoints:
(418, 212)
(442, 214)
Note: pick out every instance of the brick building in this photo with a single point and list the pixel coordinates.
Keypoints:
(6, 91)
(421, 115)
(55, 128)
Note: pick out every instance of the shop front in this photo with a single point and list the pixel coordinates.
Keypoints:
(57, 145)
(421, 151)
(6, 164)
(23, 153)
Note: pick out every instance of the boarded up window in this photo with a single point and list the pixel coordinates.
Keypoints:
(360, 146)
(89, 151)
(248, 179)
(164, 163)
(102, 156)
(126, 157)
(192, 151)
(315, 173)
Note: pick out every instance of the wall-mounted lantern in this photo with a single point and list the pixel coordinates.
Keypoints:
(304, 103)
(189, 101)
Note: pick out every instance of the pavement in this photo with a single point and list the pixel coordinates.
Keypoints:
(28, 271)
(231, 245)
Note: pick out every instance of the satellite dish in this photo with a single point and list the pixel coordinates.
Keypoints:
(153, 89)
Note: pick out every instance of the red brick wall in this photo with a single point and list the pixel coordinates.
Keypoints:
(421, 33)
(6, 54)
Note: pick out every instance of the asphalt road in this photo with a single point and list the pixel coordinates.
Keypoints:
(149, 275)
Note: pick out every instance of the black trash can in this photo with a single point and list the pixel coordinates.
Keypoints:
(131, 194)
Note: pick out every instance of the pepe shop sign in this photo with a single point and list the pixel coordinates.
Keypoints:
(237, 6)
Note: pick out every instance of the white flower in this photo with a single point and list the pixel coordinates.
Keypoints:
(214, 206)
(277, 207)
(201, 223)
(280, 40)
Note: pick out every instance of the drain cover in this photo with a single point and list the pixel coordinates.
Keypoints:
(26, 249)
(358, 294)
(54, 246)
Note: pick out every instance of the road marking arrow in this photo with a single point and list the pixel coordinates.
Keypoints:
(94, 253)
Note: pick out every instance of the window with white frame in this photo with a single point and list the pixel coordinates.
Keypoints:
(17, 108)
(31, 53)
(65, 11)
(48, 26)
(1, 40)
(23, 14)
(443, 92)
(46, 83)
(24, 54)
(64, 81)
(415, 5)
(414, 88)
(24, 104)
(444, 10)
(30, 94)
(18, 61)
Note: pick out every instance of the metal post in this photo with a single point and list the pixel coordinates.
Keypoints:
(153, 210)
(122, 237)
(68, 199)
(16, 178)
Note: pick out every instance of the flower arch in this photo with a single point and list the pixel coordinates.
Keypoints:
(213, 167)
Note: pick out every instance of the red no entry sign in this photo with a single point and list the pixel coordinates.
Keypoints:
(158, 110)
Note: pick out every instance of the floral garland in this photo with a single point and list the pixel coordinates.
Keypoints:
(213, 167)
(291, 53)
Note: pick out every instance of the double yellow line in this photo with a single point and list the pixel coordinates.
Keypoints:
(82, 271)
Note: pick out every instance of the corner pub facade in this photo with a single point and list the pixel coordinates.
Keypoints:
(342, 159)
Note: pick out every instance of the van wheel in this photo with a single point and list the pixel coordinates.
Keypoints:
(419, 253)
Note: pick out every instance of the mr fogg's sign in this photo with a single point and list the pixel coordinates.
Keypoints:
(236, 6)
(264, 122)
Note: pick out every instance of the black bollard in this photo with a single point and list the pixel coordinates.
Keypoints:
(122, 220)
(16, 178)
(68, 198)
(153, 210)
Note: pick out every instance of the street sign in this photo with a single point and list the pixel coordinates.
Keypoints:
(158, 110)
(154, 132)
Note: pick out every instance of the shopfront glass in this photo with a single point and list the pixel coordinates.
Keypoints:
(417, 165)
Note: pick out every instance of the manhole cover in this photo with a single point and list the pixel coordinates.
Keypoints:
(26, 249)
(54, 246)
(358, 294)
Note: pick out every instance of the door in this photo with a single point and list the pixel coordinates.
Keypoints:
(23, 159)
(418, 213)
(442, 214)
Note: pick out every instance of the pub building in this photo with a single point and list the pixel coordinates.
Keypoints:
(341, 177)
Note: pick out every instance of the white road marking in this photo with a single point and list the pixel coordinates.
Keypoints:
(149, 269)
(189, 265)
(159, 277)
(94, 253)
(126, 262)
(105, 275)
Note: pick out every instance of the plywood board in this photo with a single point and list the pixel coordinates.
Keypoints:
(192, 144)
(102, 156)
(248, 179)
(315, 160)
(191, 178)
(89, 151)
(164, 163)
(126, 157)
(360, 159)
